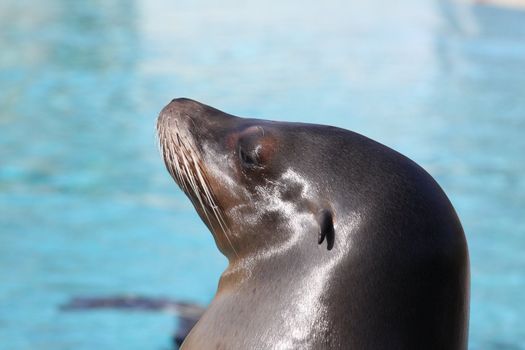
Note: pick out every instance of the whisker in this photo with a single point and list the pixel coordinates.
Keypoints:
(184, 166)
(176, 162)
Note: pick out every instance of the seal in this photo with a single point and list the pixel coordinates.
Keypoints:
(334, 241)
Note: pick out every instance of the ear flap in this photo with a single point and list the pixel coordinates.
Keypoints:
(326, 228)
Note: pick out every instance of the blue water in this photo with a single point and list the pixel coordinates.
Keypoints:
(87, 208)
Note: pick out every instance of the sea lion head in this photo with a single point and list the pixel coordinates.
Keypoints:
(250, 180)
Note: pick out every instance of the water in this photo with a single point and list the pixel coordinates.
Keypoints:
(86, 207)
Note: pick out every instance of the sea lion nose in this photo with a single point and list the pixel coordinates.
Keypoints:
(180, 114)
(199, 115)
(175, 110)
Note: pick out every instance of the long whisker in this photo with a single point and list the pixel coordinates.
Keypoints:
(183, 164)
(215, 209)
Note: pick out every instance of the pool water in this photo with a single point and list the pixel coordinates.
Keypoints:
(87, 208)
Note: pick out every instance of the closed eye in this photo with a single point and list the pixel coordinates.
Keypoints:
(249, 158)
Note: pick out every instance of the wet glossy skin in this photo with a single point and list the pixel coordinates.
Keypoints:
(334, 241)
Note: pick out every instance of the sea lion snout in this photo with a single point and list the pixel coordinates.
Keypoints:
(178, 108)
(203, 118)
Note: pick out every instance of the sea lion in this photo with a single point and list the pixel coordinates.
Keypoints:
(334, 241)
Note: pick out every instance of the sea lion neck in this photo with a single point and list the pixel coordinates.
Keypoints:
(284, 259)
